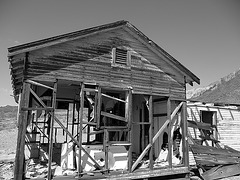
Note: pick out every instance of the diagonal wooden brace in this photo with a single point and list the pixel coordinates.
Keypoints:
(62, 126)
(156, 137)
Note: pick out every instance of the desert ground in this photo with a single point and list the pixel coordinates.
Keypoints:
(7, 153)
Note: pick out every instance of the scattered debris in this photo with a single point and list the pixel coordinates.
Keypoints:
(214, 160)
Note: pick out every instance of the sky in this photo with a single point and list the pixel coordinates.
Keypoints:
(203, 35)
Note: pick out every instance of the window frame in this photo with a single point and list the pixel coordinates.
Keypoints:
(128, 60)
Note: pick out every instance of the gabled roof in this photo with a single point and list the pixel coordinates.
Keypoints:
(190, 77)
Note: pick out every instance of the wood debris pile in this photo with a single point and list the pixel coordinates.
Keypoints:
(39, 169)
(213, 159)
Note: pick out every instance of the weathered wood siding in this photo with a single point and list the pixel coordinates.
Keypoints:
(89, 60)
(228, 123)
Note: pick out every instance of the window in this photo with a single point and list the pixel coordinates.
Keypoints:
(121, 58)
(207, 116)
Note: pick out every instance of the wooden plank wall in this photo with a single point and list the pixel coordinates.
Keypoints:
(228, 123)
(89, 59)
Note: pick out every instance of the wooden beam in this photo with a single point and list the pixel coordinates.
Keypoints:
(89, 123)
(141, 123)
(150, 104)
(113, 116)
(80, 129)
(22, 128)
(96, 132)
(160, 99)
(185, 147)
(50, 149)
(160, 115)
(114, 98)
(170, 143)
(73, 116)
(105, 147)
(213, 160)
(98, 102)
(90, 90)
(198, 149)
(129, 104)
(36, 108)
(200, 125)
(39, 84)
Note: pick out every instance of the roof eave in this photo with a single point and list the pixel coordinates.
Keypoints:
(190, 77)
(62, 38)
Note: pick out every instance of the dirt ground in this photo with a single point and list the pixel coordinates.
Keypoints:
(7, 153)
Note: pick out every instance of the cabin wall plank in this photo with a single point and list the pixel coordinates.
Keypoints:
(89, 60)
(228, 123)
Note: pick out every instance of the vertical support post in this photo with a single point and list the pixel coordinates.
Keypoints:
(44, 125)
(142, 110)
(184, 138)
(169, 132)
(99, 102)
(151, 131)
(67, 121)
(129, 119)
(73, 117)
(80, 129)
(88, 127)
(105, 147)
(22, 127)
(78, 116)
(215, 125)
(50, 149)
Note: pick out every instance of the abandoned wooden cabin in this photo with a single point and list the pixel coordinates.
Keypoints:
(214, 138)
(225, 120)
(109, 91)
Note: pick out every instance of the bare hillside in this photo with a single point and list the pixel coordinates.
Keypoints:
(224, 91)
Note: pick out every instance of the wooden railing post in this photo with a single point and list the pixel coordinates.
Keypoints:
(51, 132)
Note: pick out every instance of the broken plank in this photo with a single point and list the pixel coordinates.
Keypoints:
(198, 149)
(210, 160)
(221, 172)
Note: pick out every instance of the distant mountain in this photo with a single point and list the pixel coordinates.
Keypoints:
(8, 117)
(224, 91)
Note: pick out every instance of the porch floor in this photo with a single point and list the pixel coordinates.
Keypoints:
(179, 173)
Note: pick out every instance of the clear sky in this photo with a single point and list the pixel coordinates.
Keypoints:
(204, 35)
